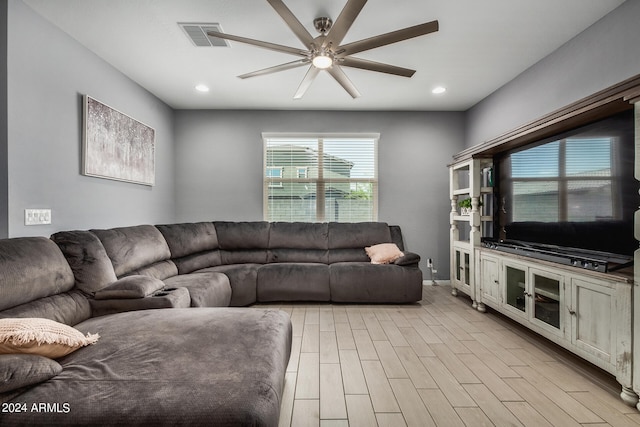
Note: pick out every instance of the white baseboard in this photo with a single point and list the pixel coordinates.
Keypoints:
(435, 282)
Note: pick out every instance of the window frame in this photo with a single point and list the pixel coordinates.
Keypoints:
(320, 181)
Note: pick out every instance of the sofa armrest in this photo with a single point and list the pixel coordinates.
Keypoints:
(165, 298)
(409, 259)
(130, 287)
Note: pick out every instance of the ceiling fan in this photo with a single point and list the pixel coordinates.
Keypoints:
(325, 52)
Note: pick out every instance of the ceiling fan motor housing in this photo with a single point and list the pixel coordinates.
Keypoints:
(322, 24)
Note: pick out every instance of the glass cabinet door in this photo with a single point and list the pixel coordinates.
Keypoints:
(546, 298)
(458, 266)
(515, 286)
(462, 264)
(467, 270)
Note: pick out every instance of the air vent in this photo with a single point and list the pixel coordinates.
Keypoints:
(197, 33)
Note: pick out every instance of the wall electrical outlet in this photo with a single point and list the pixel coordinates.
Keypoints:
(37, 216)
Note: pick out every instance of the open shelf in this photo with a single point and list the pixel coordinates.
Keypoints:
(461, 191)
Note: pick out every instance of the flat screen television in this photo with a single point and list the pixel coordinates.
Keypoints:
(575, 189)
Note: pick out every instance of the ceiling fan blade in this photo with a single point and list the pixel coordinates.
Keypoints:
(260, 43)
(306, 82)
(344, 21)
(388, 38)
(292, 22)
(365, 64)
(337, 73)
(281, 67)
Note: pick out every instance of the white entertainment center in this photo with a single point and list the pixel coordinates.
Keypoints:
(578, 305)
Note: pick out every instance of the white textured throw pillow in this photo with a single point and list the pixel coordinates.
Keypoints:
(383, 253)
(41, 336)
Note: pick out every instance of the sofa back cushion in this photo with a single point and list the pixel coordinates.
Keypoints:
(69, 308)
(193, 246)
(299, 235)
(88, 259)
(396, 236)
(348, 240)
(32, 268)
(243, 242)
(160, 270)
(131, 248)
(242, 235)
(298, 242)
(36, 281)
(357, 235)
(189, 239)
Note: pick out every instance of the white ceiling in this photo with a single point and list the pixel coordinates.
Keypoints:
(481, 45)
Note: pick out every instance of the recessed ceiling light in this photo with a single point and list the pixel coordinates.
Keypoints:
(439, 89)
(202, 88)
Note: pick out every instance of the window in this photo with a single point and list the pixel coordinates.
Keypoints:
(274, 172)
(321, 178)
(570, 179)
(301, 172)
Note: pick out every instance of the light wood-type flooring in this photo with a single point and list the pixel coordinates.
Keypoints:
(436, 363)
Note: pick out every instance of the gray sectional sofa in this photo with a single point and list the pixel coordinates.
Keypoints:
(214, 365)
(184, 366)
(239, 263)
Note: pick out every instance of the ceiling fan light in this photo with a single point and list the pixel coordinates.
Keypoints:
(438, 90)
(322, 61)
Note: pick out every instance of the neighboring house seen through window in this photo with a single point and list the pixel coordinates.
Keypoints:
(571, 179)
(320, 178)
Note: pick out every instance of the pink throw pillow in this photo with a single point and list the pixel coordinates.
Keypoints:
(383, 253)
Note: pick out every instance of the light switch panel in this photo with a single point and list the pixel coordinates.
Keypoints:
(37, 216)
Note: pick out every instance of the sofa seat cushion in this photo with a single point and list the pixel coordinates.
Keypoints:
(378, 283)
(293, 282)
(210, 366)
(209, 289)
(243, 279)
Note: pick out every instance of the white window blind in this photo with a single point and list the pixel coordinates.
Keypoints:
(325, 177)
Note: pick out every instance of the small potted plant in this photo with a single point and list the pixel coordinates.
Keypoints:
(465, 206)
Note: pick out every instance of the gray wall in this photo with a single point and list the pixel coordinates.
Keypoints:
(219, 161)
(606, 53)
(48, 72)
(4, 183)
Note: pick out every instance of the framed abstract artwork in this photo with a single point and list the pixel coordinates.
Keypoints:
(116, 146)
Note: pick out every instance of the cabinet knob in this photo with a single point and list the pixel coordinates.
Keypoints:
(572, 312)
